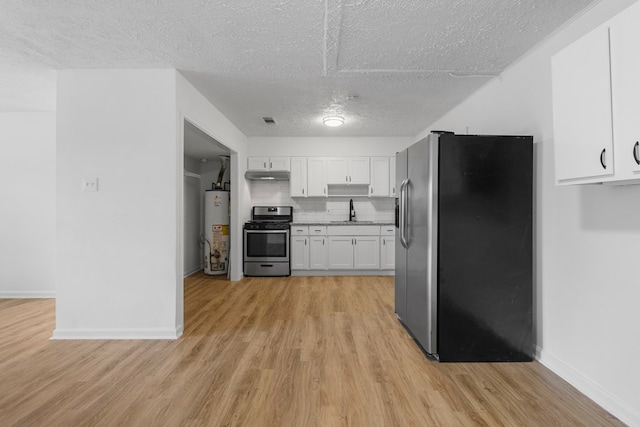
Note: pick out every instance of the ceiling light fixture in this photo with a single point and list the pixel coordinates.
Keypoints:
(333, 121)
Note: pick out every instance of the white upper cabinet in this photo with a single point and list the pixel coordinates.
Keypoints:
(348, 170)
(337, 170)
(582, 109)
(379, 177)
(359, 170)
(595, 107)
(625, 70)
(392, 176)
(316, 177)
(298, 177)
(268, 163)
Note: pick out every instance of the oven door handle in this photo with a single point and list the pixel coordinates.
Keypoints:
(266, 231)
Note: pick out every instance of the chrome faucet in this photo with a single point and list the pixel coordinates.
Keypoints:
(352, 211)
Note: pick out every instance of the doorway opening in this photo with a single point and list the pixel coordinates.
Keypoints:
(206, 226)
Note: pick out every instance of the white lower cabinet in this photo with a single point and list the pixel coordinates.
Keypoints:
(353, 247)
(387, 253)
(340, 252)
(361, 249)
(309, 247)
(318, 250)
(387, 247)
(354, 252)
(366, 253)
(299, 252)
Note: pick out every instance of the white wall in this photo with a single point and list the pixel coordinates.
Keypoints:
(328, 146)
(192, 217)
(28, 214)
(588, 237)
(193, 106)
(117, 247)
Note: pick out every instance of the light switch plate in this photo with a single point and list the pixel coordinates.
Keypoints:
(89, 184)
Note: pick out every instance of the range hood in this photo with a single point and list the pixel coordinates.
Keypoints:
(267, 175)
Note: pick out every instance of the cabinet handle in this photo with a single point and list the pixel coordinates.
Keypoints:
(270, 165)
(349, 179)
(603, 159)
(346, 179)
(636, 154)
(305, 242)
(322, 242)
(303, 191)
(265, 165)
(324, 191)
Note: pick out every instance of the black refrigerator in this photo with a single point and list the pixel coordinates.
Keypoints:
(464, 246)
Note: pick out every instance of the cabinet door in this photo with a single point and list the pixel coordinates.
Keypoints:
(258, 163)
(625, 69)
(341, 252)
(316, 177)
(337, 170)
(379, 177)
(359, 170)
(299, 253)
(367, 253)
(387, 253)
(392, 176)
(318, 246)
(298, 177)
(279, 163)
(582, 109)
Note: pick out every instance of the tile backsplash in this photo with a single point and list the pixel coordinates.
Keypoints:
(321, 209)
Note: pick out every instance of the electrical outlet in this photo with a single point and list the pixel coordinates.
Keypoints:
(89, 184)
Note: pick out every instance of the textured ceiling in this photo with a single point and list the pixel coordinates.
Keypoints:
(389, 67)
(199, 145)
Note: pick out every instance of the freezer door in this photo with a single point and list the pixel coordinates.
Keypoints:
(485, 266)
(421, 224)
(401, 251)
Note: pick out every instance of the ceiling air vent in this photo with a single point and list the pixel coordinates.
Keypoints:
(269, 120)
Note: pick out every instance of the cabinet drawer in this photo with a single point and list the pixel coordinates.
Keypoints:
(387, 230)
(318, 230)
(299, 230)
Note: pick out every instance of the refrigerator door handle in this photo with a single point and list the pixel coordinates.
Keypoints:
(403, 213)
(407, 213)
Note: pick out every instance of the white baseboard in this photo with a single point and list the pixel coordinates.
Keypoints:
(27, 294)
(586, 386)
(117, 334)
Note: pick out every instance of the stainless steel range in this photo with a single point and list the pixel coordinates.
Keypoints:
(266, 241)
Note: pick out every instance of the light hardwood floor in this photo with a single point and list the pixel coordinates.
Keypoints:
(303, 351)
